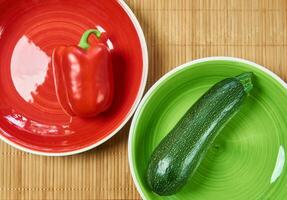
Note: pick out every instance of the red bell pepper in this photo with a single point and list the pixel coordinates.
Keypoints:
(83, 77)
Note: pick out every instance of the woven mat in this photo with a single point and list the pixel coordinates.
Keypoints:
(177, 31)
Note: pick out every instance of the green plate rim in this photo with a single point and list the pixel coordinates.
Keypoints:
(165, 77)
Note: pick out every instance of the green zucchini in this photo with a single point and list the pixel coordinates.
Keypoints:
(179, 154)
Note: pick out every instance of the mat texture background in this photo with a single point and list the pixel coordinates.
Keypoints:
(176, 32)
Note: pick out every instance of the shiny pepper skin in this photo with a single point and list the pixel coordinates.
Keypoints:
(83, 77)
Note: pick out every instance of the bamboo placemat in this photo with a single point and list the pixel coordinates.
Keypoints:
(177, 31)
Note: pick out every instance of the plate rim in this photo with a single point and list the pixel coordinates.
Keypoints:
(139, 96)
(169, 74)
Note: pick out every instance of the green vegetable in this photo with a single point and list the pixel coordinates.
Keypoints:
(179, 154)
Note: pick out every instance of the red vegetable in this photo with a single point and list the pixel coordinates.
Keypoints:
(83, 77)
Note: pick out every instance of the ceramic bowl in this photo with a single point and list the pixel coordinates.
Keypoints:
(247, 160)
(31, 118)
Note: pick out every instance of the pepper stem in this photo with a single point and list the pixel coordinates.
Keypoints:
(84, 43)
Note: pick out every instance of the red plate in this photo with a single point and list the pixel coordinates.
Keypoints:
(30, 116)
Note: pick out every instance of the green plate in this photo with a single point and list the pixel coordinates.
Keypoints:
(247, 159)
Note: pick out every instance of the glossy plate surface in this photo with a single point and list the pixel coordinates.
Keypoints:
(247, 160)
(30, 116)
